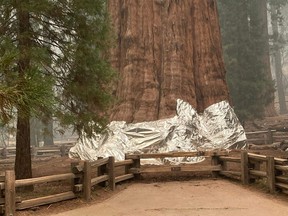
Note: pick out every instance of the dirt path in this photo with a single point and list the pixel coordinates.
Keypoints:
(198, 198)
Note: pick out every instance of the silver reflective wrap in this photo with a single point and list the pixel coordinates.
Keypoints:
(217, 128)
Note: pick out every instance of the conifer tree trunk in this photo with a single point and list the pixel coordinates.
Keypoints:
(34, 128)
(23, 167)
(278, 63)
(48, 131)
(259, 26)
(166, 50)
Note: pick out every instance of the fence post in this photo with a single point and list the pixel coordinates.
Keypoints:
(111, 173)
(271, 173)
(127, 167)
(10, 204)
(214, 162)
(269, 137)
(137, 165)
(62, 150)
(87, 181)
(244, 167)
(4, 153)
(101, 170)
(78, 171)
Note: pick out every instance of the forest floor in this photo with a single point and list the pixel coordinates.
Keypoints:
(164, 194)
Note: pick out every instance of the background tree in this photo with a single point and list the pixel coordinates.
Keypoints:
(260, 39)
(166, 50)
(57, 45)
(278, 43)
(245, 44)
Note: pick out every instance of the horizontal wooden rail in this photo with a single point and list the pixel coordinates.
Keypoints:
(43, 151)
(123, 163)
(230, 159)
(45, 200)
(99, 162)
(258, 173)
(99, 179)
(281, 168)
(186, 168)
(282, 137)
(230, 173)
(17, 200)
(7, 161)
(281, 161)
(10, 148)
(282, 179)
(263, 158)
(38, 151)
(259, 132)
(32, 181)
(282, 186)
(38, 180)
(257, 157)
(47, 148)
(178, 154)
(251, 140)
(123, 177)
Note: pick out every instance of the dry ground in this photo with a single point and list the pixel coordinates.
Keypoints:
(204, 197)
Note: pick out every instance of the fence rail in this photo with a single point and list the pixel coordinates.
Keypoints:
(62, 148)
(82, 178)
(275, 172)
(267, 136)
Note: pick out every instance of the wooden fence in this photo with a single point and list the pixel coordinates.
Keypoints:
(274, 171)
(105, 172)
(251, 166)
(81, 177)
(46, 151)
(213, 167)
(267, 136)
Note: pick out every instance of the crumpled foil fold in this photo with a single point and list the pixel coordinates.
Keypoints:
(216, 128)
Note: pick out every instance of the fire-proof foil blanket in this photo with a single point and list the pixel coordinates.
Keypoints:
(216, 128)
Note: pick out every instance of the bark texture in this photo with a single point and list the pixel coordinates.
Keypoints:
(23, 168)
(278, 62)
(167, 49)
(259, 20)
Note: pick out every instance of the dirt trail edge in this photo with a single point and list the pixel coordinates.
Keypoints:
(198, 197)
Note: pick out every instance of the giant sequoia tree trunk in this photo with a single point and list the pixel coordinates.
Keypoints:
(166, 50)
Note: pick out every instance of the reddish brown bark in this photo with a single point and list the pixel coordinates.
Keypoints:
(166, 50)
